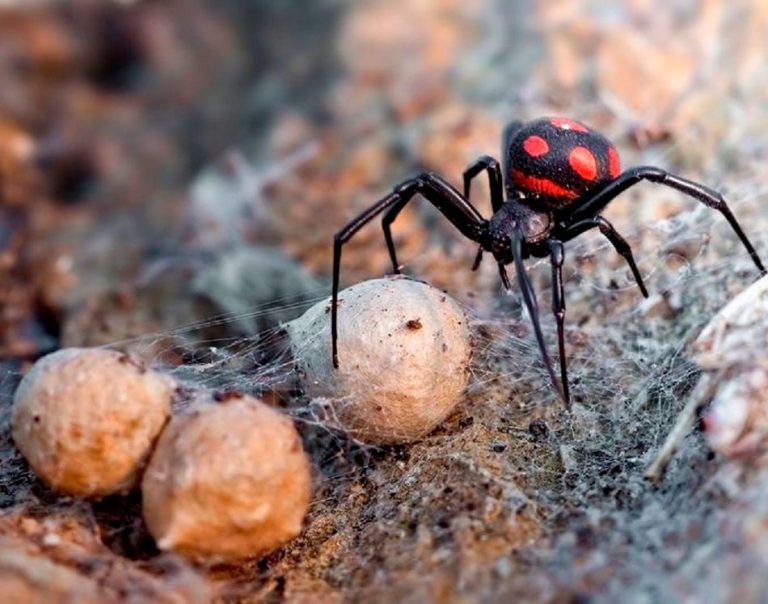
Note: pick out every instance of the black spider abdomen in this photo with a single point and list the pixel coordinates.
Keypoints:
(556, 161)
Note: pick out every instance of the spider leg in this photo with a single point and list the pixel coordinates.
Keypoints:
(495, 184)
(486, 162)
(386, 225)
(529, 297)
(619, 243)
(709, 197)
(505, 278)
(557, 257)
(478, 258)
(435, 190)
(444, 197)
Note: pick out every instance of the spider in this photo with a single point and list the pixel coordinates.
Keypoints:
(558, 175)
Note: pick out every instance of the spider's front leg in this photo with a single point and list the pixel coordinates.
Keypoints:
(557, 258)
(435, 190)
(531, 304)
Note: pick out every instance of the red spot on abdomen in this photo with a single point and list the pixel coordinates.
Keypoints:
(535, 146)
(614, 165)
(566, 124)
(583, 163)
(542, 186)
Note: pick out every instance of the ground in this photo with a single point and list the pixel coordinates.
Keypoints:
(159, 160)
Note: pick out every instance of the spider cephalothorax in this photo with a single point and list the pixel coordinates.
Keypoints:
(558, 175)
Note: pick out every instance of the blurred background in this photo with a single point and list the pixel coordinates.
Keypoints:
(162, 162)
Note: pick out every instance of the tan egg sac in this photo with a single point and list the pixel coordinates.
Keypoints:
(404, 350)
(86, 419)
(227, 480)
(731, 351)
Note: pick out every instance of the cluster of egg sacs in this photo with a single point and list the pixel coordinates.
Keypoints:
(228, 476)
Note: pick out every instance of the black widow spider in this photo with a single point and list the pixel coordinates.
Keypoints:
(558, 175)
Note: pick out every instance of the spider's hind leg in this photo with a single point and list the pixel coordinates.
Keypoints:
(709, 197)
(714, 200)
(618, 242)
